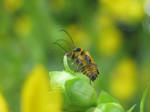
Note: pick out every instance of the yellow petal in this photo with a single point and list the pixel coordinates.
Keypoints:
(35, 94)
(123, 80)
(3, 104)
(54, 101)
(130, 11)
(110, 41)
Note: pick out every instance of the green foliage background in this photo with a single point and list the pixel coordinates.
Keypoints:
(117, 34)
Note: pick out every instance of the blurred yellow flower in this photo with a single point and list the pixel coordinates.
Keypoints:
(124, 10)
(110, 38)
(3, 104)
(12, 5)
(37, 95)
(23, 26)
(123, 80)
(79, 36)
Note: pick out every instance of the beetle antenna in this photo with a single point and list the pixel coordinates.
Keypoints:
(60, 46)
(69, 37)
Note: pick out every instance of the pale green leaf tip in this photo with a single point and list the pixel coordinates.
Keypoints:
(67, 68)
(143, 99)
(131, 109)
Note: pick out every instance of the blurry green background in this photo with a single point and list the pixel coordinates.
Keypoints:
(116, 33)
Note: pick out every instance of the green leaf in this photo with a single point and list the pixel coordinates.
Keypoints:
(60, 78)
(107, 103)
(78, 93)
(109, 107)
(90, 109)
(106, 98)
(81, 93)
(143, 99)
(131, 109)
(82, 77)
